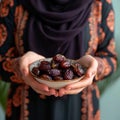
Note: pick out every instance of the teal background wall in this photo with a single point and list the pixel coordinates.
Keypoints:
(110, 95)
(110, 99)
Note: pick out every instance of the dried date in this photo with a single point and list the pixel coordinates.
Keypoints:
(54, 72)
(36, 71)
(46, 77)
(58, 78)
(68, 75)
(59, 58)
(78, 69)
(59, 68)
(45, 66)
(65, 64)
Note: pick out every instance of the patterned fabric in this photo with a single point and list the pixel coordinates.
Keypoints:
(99, 39)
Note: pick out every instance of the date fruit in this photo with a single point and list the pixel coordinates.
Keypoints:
(65, 64)
(45, 66)
(78, 69)
(59, 58)
(58, 68)
(68, 75)
(58, 78)
(36, 71)
(54, 72)
(46, 77)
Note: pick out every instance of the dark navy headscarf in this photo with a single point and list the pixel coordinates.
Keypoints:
(56, 26)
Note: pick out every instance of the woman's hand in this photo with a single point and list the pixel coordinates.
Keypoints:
(92, 64)
(23, 71)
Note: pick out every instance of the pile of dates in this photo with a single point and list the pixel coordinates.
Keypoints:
(58, 68)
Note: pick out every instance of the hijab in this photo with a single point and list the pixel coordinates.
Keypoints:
(57, 26)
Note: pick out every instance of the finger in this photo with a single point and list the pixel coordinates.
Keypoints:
(52, 91)
(56, 95)
(40, 92)
(91, 71)
(74, 91)
(32, 82)
(24, 68)
(82, 83)
(61, 92)
(86, 60)
(27, 59)
(29, 80)
(41, 87)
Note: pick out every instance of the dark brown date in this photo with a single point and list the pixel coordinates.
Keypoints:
(58, 78)
(36, 71)
(45, 66)
(65, 64)
(68, 75)
(54, 72)
(59, 68)
(59, 58)
(78, 69)
(46, 77)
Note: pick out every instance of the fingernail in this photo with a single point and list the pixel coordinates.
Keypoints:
(46, 89)
(69, 88)
(56, 95)
(61, 95)
(53, 93)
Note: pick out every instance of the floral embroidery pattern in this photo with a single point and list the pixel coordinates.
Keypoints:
(110, 20)
(26, 102)
(1, 58)
(108, 68)
(114, 63)
(93, 43)
(101, 35)
(11, 53)
(3, 34)
(5, 6)
(90, 103)
(21, 17)
(17, 97)
(84, 109)
(111, 46)
(97, 10)
(94, 19)
(9, 108)
(8, 65)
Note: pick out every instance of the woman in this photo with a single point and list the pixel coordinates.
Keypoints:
(34, 29)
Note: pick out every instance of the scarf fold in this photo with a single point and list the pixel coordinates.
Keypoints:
(56, 26)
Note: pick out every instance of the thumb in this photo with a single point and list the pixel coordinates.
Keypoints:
(92, 70)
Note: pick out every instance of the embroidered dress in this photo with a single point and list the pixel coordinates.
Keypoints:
(97, 40)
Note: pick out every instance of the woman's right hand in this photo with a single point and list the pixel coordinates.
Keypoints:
(22, 65)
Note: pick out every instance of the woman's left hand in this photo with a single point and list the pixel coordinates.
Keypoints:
(92, 64)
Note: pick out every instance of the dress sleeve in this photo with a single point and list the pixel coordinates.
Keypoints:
(7, 43)
(106, 53)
